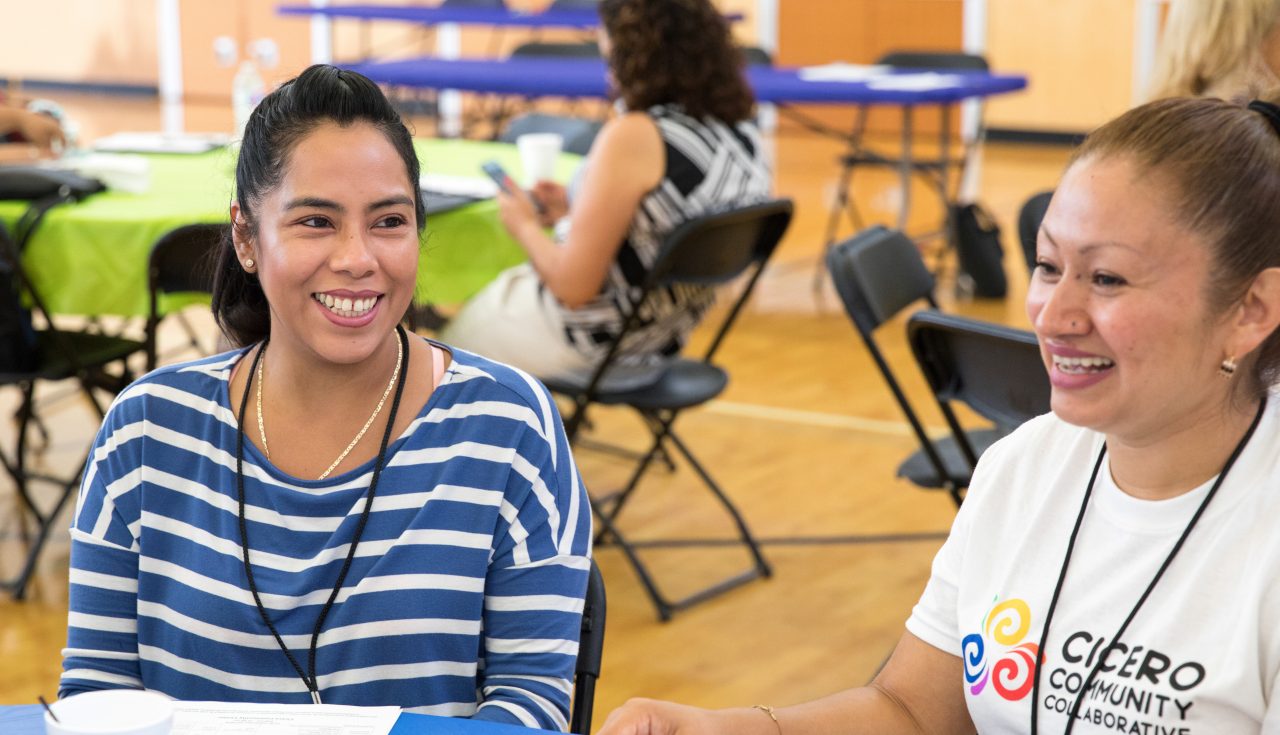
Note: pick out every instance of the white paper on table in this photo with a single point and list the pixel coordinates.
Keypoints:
(479, 187)
(842, 72)
(235, 718)
(917, 82)
(161, 142)
(121, 172)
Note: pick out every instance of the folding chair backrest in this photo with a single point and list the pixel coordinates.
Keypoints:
(182, 260)
(717, 248)
(755, 56)
(714, 249)
(578, 133)
(590, 653)
(473, 4)
(953, 61)
(561, 49)
(995, 370)
(878, 273)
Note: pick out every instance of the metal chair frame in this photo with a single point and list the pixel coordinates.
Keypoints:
(62, 354)
(710, 250)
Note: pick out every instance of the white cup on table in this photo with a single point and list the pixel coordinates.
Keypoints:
(111, 712)
(538, 155)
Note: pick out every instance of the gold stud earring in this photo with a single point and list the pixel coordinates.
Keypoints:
(248, 264)
(1227, 368)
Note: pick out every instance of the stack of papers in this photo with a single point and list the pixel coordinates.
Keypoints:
(920, 82)
(842, 72)
(188, 143)
(478, 187)
(227, 718)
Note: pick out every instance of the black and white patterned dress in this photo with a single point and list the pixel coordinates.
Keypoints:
(710, 166)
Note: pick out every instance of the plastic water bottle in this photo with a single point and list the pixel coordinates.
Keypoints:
(247, 90)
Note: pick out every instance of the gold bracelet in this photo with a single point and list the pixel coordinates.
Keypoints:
(769, 711)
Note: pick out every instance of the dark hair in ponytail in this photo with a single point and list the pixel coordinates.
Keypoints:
(320, 94)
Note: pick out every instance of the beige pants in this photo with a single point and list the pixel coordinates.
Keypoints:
(514, 322)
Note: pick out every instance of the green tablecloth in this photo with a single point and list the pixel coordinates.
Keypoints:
(91, 257)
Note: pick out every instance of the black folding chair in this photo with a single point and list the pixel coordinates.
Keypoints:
(937, 170)
(878, 274)
(578, 133)
(181, 261)
(708, 251)
(1030, 215)
(996, 371)
(590, 653)
(59, 354)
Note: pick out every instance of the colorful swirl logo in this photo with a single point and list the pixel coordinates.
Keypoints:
(1012, 673)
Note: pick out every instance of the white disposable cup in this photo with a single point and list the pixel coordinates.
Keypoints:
(111, 712)
(538, 155)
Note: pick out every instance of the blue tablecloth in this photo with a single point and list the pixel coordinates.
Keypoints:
(461, 16)
(28, 719)
(540, 77)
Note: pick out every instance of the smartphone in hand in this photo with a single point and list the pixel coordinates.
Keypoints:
(508, 184)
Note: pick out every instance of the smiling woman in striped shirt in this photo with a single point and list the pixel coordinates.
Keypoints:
(337, 511)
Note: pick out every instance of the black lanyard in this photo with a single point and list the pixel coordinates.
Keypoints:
(1062, 575)
(309, 679)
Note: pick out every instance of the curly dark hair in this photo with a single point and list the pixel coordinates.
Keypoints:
(676, 52)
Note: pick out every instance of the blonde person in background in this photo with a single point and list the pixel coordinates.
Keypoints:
(1114, 567)
(1218, 48)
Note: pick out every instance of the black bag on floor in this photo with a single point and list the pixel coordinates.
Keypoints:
(977, 239)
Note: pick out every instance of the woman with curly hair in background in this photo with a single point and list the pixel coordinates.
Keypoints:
(683, 145)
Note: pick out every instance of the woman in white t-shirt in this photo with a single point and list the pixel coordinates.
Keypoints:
(1116, 562)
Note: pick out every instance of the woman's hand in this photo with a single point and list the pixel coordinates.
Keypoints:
(41, 131)
(652, 717)
(518, 214)
(554, 199)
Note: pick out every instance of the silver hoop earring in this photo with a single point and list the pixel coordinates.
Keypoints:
(1227, 368)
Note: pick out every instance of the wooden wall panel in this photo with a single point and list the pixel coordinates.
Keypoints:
(104, 41)
(1078, 56)
(860, 31)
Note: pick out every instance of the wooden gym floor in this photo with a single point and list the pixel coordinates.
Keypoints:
(806, 439)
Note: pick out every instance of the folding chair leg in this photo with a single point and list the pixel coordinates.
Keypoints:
(609, 532)
(761, 565)
(17, 586)
(844, 202)
(620, 498)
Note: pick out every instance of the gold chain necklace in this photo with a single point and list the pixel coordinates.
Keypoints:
(262, 432)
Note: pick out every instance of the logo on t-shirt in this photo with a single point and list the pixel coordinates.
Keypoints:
(1138, 689)
(998, 654)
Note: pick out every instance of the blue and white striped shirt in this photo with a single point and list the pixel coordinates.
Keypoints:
(464, 598)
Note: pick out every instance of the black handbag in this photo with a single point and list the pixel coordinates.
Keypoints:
(977, 238)
(31, 183)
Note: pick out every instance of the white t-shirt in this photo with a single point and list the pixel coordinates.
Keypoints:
(1203, 653)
